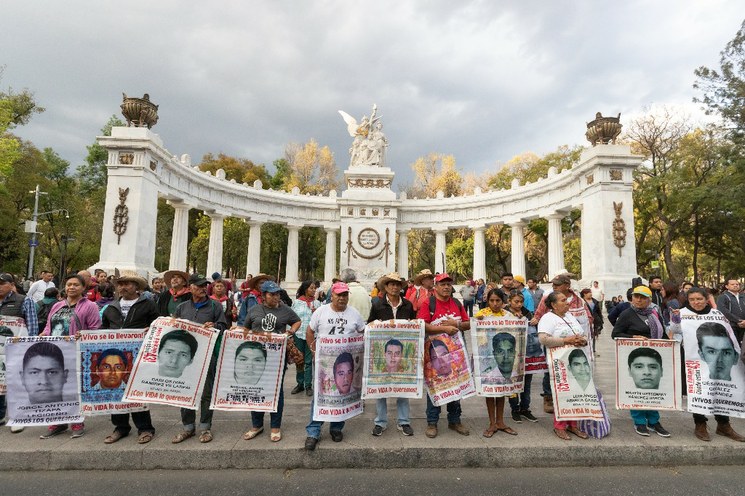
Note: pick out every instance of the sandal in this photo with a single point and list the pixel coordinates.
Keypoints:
(205, 436)
(562, 434)
(275, 437)
(145, 437)
(182, 436)
(489, 432)
(508, 430)
(252, 433)
(580, 434)
(114, 437)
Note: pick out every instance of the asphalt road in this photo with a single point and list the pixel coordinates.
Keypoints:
(606, 481)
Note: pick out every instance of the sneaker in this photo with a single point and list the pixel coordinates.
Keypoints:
(641, 430)
(431, 431)
(337, 436)
(661, 431)
(16, 429)
(77, 431)
(310, 443)
(528, 415)
(406, 429)
(377, 431)
(459, 428)
(516, 417)
(53, 430)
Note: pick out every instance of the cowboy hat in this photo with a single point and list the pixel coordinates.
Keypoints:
(423, 275)
(169, 275)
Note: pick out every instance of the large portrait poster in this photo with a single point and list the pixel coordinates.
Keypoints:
(535, 355)
(715, 375)
(394, 353)
(9, 327)
(499, 355)
(338, 377)
(574, 393)
(447, 369)
(648, 374)
(249, 372)
(172, 365)
(106, 362)
(42, 381)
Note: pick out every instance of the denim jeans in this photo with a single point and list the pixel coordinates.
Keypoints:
(521, 401)
(402, 407)
(188, 416)
(433, 412)
(547, 385)
(275, 418)
(645, 417)
(313, 429)
(468, 304)
(305, 377)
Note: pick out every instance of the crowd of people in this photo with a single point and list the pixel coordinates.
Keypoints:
(562, 316)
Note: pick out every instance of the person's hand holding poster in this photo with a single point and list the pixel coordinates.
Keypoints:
(338, 375)
(499, 355)
(574, 394)
(447, 369)
(648, 374)
(9, 327)
(393, 359)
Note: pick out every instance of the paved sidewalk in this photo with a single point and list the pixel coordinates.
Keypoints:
(535, 446)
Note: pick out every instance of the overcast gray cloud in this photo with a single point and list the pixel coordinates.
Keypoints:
(481, 80)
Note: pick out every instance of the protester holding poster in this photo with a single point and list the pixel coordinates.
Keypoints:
(444, 314)
(205, 311)
(270, 316)
(535, 359)
(647, 374)
(556, 329)
(329, 322)
(641, 321)
(390, 306)
(42, 383)
(714, 374)
(131, 311)
(504, 352)
(9, 327)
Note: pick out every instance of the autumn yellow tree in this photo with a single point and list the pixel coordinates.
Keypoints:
(312, 168)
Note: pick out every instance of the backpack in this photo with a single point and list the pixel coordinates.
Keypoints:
(42, 311)
(432, 303)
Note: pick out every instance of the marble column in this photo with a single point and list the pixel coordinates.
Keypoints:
(518, 248)
(329, 267)
(291, 269)
(253, 257)
(555, 245)
(180, 236)
(479, 253)
(440, 250)
(403, 253)
(214, 252)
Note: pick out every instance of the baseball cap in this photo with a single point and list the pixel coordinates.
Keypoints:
(643, 291)
(519, 279)
(5, 277)
(443, 277)
(270, 287)
(561, 279)
(340, 287)
(198, 280)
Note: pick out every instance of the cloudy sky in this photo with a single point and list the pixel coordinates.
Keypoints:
(482, 80)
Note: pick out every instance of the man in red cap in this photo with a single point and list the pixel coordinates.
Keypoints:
(444, 314)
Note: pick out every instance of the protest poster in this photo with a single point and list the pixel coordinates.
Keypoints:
(249, 372)
(499, 355)
(648, 374)
(574, 393)
(394, 353)
(42, 381)
(106, 361)
(447, 369)
(338, 377)
(715, 375)
(172, 365)
(9, 327)
(535, 355)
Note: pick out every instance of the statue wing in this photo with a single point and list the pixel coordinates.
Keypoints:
(351, 123)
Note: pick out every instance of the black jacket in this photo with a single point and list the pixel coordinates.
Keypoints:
(165, 297)
(140, 315)
(381, 310)
(629, 324)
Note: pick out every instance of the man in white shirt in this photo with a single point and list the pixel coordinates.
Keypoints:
(36, 291)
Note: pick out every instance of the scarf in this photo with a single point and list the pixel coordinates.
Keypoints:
(706, 309)
(655, 327)
(180, 292)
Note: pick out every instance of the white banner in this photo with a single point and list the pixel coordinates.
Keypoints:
(249, 372)
(42, 381)
(106, 361)
(574, 393)
(447, 369)
(394, 352)
(338, 377)
(172, 365)
(499, 355)
(648, 374)
(9, 327)
(715, 375)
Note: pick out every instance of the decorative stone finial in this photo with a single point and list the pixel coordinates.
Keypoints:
(139, 112)
(603, 130)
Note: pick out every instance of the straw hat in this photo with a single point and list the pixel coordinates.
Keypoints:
(257, 280)
(392, 277)
(132, 276)
(423, 275)
(169, 275)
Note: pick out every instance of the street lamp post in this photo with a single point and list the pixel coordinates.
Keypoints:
(34, 240)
